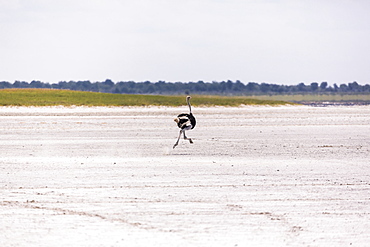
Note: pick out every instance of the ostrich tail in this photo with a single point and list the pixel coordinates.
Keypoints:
(177, 120)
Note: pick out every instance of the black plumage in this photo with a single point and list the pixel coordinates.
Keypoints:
(185, 121)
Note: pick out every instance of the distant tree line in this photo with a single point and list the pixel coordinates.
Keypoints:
(200, 87)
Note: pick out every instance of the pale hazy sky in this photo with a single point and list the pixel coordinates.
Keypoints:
(272, 41)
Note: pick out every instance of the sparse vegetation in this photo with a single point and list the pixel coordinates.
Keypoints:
(317, 98)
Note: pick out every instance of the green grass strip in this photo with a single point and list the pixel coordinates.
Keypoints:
(52, 97)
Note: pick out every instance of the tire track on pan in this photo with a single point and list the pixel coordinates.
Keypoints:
(70, 212)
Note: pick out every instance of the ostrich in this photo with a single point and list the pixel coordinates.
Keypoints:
(185, 122)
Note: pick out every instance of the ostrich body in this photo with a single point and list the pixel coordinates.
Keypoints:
(185, 122)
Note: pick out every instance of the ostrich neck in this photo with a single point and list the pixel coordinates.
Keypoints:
(189, 106)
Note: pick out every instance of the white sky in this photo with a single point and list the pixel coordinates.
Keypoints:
(281, 41)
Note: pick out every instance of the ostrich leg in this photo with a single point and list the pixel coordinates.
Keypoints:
(177, 142)
(186, 138)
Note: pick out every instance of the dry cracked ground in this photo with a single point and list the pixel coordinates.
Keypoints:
(255, 176)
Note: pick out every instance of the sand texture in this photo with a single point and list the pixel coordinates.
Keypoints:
(255, 176)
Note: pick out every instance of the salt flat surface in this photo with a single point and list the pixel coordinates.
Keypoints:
(255, 176)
